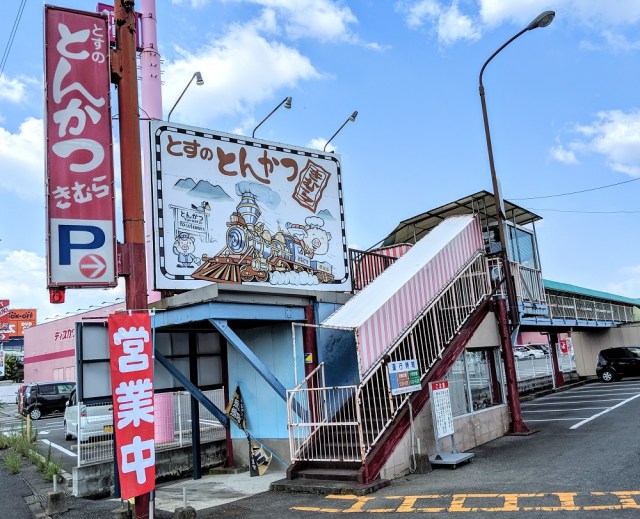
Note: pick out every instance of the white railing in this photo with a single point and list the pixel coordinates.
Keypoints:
(564, 307)
(316, 431)
(173, 425)
(370, 408)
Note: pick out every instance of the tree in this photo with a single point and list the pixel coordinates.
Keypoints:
(13, 368)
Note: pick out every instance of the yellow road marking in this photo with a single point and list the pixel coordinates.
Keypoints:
(547, 502)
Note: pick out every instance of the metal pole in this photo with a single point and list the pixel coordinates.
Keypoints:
(124, 75)
(517, 425)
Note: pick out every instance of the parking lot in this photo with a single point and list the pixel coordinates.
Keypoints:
(573, 408)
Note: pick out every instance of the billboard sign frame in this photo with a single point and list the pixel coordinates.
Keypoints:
(238, 210)
(81, 237)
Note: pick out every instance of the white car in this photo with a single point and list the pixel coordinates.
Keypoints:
(96, 420)
(524, 352)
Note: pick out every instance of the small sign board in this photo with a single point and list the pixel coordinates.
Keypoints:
(441, 405)
(404, 376)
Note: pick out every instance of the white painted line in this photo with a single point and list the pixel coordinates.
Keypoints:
(547, 404)
(603, 412)
(565, 410)
(558, 420)
(62, 449)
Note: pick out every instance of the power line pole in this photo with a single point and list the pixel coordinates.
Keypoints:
(132, 259)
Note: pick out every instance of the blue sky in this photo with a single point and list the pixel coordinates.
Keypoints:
(563, 107)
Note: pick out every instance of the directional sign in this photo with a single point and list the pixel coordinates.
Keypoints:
(404, 376)
(93, 266)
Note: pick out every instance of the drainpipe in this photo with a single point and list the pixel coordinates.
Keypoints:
(309, 344)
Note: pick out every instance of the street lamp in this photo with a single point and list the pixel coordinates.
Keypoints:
(517, 425)
(351, 118)
(199, 81)
(287, 104)
(542, 20)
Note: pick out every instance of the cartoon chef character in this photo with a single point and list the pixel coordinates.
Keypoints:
(312, 237)
(184, 247)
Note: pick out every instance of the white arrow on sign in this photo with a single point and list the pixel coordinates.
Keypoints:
(93, 266)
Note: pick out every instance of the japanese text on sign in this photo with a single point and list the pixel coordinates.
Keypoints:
(80, 197)
(132, 386)
(441, 406)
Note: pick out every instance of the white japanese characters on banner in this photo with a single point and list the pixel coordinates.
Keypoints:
(231, 209)
(441, 405)
(79, 163)
(131, 349)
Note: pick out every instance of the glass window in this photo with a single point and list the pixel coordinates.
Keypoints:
(522, 247)
(458, 388)
(471, 382)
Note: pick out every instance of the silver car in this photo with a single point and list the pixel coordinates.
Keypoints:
(87, 422)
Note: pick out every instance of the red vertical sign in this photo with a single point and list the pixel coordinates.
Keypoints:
(131, 353)
(79, 161)
(4, 319)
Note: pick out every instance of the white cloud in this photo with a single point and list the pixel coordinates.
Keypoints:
(22, 160)
(589, 12)
(613, 134)
(23, 278)
(318, 144)
(14, 89)
(565, 155)
(454, 26)
(239, 70)
(451, 25)
(322, 20)
(454, 20)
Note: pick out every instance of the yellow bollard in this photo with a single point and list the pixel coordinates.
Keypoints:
(29, 428)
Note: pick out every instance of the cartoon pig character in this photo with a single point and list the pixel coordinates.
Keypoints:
(312, 237)
(184, 247)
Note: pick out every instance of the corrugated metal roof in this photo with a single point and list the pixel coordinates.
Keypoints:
(366, 302)
(587, 292)
(483, 202)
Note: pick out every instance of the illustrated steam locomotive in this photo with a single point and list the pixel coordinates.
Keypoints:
(253, 253)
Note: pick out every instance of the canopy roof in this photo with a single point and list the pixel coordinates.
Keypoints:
(483, 202)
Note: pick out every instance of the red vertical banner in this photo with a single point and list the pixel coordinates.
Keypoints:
(4, 318)
(131, 352)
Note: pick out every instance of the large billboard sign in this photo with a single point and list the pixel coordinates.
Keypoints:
(231, 209)
(79, 161)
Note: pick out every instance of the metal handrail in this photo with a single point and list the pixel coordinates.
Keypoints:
(372, 407)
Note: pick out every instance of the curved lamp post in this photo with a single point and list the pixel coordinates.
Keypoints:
(287, 104)
(517, 425)
(199, 81)
(351, 118)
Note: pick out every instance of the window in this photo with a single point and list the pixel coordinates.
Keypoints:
(47, 390)
(474, 381)
(522, 247)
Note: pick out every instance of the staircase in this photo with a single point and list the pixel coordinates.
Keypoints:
(347, 433)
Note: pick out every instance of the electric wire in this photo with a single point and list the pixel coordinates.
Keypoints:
(12, 35)
(583, 212)
(577, 192)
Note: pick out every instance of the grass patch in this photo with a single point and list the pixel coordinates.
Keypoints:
(21, 446)
(12, 462)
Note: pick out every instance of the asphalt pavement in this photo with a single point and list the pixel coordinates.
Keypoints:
(592, 472)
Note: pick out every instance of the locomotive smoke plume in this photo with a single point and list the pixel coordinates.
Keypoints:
(293, 278)
(264, 194)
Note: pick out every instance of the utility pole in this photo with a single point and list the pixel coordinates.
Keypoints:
(132, 261)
